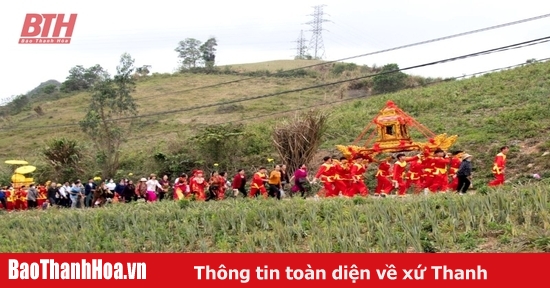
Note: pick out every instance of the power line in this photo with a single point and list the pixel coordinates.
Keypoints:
(362, 55)
(362, 97)
(486, 52)
(316, 42)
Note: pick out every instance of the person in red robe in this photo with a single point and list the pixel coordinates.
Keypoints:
(258, 183)
(413, 176)
(399, 171)
(198, 185)
(342, 179)
(456, 160)
(326, 174)
(181, 188)
(499, 167)
(42, 194)
(217, 184)
(440, 181)
(21, 199)
(383, 183)
(357, 171)
(428, 173)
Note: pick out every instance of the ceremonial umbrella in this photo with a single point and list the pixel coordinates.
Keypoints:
(16, 162)
(25, 170)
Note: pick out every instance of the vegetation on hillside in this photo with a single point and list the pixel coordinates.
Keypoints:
(176, 141)
(510, 220)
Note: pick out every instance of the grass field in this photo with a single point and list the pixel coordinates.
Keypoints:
(511, 220)
(274, 66)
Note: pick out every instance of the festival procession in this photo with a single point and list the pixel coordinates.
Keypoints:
(402, 167)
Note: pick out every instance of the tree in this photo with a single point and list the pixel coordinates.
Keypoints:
(143, 70)
(111, 100)
(64, 156)
(81, 78)
(19, 104)
(298, 139)
(189, 52)
(49, 89)
(220, 144)
(390, 79)
(208, 51)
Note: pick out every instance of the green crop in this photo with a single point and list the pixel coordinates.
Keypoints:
(511, 219)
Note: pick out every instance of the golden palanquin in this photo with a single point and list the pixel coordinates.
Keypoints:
(390, 134)
(16, 198)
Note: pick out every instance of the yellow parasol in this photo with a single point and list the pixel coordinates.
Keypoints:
(25, 170)
(17, 178)
(16, 162)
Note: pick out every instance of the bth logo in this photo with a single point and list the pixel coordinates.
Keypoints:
(36, 29)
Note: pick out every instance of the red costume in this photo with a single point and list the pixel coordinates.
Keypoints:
(399, 170)
(453, 168)
(384, 184)
(198, 186)
(414, 174)
(219, 182)
(498, 170)
(428, 170)
(42, 195)
(181, 189)
(440, 179)
(342, 179)
(326, 174)
(258, 185)
(358, 186)
(21, 199)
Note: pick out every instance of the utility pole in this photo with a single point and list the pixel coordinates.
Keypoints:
(316, 42)
(301, 46)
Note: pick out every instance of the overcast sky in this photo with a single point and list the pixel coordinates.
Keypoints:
(254, 31)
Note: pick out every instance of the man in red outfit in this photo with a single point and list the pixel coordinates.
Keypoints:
(440, 180)
(456, 160)
(326, 174)
(499, 167)
(258, 183)
(342, 179)
(358, 169)
(398, 175)
(414, 175)
(383, 183)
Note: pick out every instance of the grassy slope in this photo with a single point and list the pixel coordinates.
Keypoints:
(512, 220)
(510, 107)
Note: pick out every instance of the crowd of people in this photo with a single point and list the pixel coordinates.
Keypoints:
(434, 172)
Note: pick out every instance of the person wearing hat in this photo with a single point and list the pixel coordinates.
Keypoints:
(464, 174)
(141, 188)
(198, 185)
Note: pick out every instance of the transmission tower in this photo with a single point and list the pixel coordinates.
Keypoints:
(316, 42)
(301, 48)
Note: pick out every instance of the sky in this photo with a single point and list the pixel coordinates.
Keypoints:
(256, 31)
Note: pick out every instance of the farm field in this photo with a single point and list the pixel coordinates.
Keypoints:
(514, 219)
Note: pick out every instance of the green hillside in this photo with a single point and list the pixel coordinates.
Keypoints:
(505, 108)
(509, 107)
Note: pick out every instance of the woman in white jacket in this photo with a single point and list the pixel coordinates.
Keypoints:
(152, 185)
